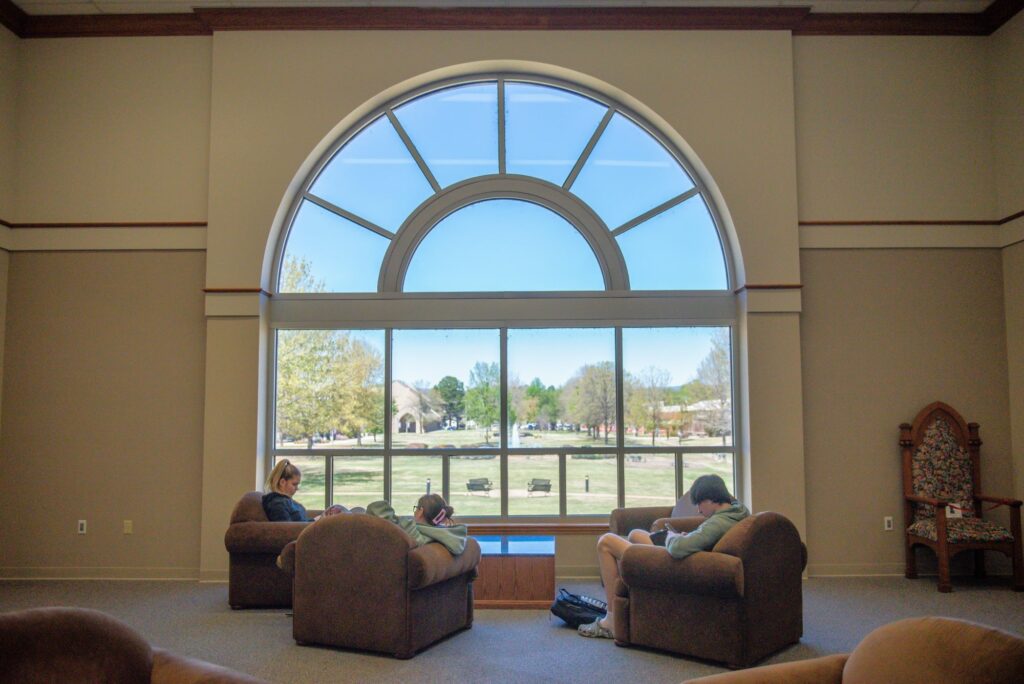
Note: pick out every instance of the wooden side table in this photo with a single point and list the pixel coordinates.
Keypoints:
(515, 572)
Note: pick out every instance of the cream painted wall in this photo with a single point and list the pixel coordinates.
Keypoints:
(5, 260)
(886, 332)
(103, 414)
(1007, 75)
(1013, 292)
(893, 128)
(113, 130)
(8, 107)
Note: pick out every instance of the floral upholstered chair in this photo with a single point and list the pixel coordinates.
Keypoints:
(943, 499)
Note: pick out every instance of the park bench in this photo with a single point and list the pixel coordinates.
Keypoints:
(538, 485)
(479, 484)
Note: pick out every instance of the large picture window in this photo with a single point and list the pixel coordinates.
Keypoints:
(509, 290)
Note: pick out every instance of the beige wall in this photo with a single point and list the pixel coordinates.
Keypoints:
(1013, 284)
(8, 103)
(103, 414)
(886, 332)
(113, 130)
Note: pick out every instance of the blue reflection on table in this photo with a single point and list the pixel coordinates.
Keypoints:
(516, 546)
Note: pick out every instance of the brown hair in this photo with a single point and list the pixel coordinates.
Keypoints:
(284, 470)
(436, 510)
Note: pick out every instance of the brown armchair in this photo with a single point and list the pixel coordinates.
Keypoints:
(941, 467)
(82, 645)
(735, 604)
(915, 651)
(361, 582)
(624, 520)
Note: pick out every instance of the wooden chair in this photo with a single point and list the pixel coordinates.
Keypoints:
(941, 468)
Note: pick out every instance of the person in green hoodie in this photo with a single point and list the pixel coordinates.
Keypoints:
(720, 511)
(431, 521)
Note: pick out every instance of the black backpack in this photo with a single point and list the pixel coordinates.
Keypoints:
(577, 610)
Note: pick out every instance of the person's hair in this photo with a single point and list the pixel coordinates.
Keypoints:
(709, 488)
(436, 510)
(284, 470)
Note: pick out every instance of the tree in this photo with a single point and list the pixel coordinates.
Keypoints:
(589, 397)
(452, 393)
(482, 397)
(545, 401)
(715, 374)
(646, 398)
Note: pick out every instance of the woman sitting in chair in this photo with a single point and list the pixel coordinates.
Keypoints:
(278, 504)
(431, 521)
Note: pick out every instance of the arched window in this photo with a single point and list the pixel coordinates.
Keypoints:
(510, 290)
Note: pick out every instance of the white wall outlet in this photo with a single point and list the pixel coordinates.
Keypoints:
(887, 523)
(128, 527)
(81, 527)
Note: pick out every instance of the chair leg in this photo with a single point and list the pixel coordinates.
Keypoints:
(979, 564)
(1018, 565)
(945, 586)
(911, 569)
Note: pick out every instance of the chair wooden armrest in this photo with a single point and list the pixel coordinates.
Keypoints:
(824, 670)
(1015, 503)
(926, 500)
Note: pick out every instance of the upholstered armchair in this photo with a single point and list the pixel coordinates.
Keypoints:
(914, 651)
(941, 468)
(736, 604)
(362, 583)
(624, 520)
(82, 645)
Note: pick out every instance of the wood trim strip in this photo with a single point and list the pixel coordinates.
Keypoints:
(1011, 217)
(151, 224)
(900, 223)
(779, 286)
(2, 222)
(515, 528)
(236, 290)
(799, 20)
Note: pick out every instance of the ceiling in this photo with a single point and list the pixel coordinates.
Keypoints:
(51, 7)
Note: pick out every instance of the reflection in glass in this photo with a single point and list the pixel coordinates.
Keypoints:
(503, 245)
(721, 464)
(678, 249)
(546, 129)
(590, 484)
(678, 386)
(358, 480)
(330, 391)
(650, 480)
(628, 173)
(312, 491)
(561, 387)
(375, 177)
(445, 389)
(455, 131)
(533, 484)
(328, 253)
(475, 484)
(411, 478)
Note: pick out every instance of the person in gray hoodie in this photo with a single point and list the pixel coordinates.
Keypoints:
(720, 511)
(431, 521)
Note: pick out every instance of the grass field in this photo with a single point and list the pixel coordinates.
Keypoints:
(590, 482)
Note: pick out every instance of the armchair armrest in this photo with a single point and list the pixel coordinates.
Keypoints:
(1015, 503)
(433, 563)
(926, 500)
(170, 668)
(261, 537)
(705, 572)
(824, 670)
(623, 520)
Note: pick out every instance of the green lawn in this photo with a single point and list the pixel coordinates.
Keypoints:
(590, 482)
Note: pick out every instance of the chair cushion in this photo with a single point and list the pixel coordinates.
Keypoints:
(941, 469)
(961, 530)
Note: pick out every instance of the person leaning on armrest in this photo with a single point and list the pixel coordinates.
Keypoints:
(278, 504)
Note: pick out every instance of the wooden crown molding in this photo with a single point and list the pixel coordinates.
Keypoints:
(799, 20)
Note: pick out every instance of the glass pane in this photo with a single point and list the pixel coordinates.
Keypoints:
(503, 245)
(650, 480)
(561, 387)
(678, 249)
(695, 465)
(590, 484)
(455, 131)
(445, 389)
(678, 385)
(546, 129)
(411, 478)
(533, 485)
(628, 173)
(330, 389)
(375, 177)
(358, 480)
(328, 253)
(312, 490)
(475, 484)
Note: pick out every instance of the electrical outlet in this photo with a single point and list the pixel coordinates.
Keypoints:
(81, 527)
(887, 523)
(127, 526)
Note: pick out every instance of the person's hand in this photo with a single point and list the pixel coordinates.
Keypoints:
(672, 534)
(333, 510)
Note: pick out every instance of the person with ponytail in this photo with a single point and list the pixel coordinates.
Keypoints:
(431, 521)
(278, 504)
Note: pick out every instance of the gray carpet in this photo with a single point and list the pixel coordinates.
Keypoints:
(503, 645)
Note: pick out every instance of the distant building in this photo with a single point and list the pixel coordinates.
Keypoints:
(414, 410)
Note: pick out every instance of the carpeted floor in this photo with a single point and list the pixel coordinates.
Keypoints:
(503, 645)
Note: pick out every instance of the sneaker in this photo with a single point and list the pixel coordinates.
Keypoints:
(596, 630)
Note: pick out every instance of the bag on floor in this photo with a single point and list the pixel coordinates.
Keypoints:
(576, 610)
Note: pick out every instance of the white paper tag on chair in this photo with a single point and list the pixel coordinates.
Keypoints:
(954, 511)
